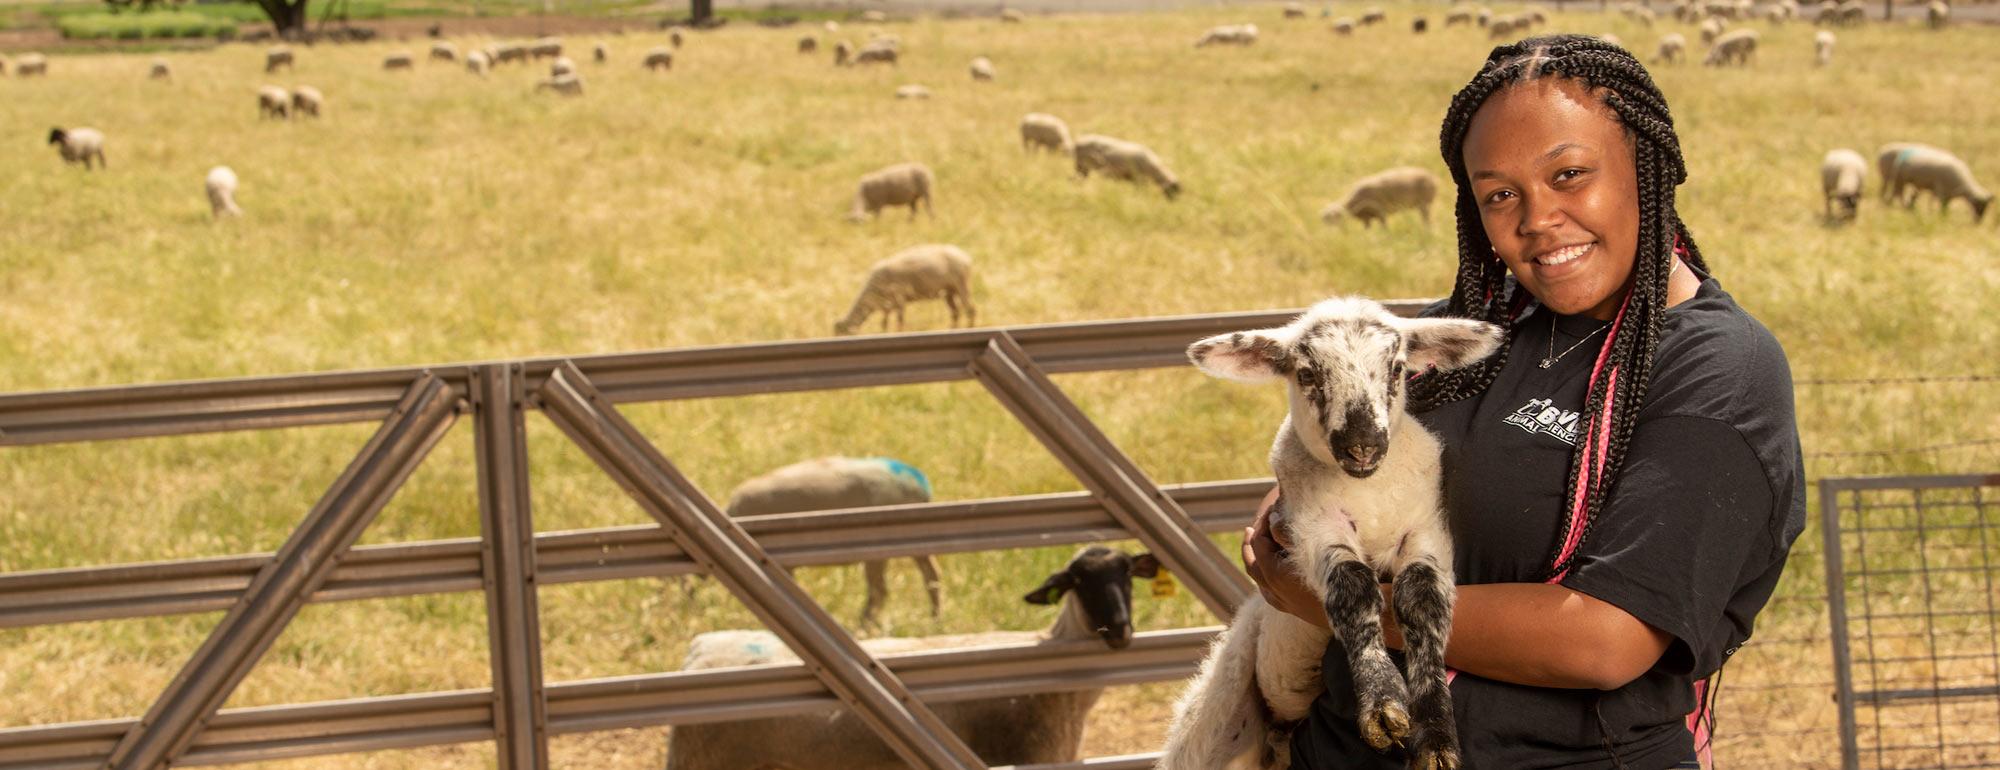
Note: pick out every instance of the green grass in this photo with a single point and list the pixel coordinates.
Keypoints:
(135, 26)
(433, 217)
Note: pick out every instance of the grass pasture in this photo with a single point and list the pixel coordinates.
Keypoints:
(432, 216)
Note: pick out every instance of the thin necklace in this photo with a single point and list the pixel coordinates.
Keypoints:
(1553, 356)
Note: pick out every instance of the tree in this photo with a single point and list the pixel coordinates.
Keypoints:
(289, 16)
(701, 11)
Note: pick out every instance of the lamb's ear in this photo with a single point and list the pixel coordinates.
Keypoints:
(1052, 590)
(1145, 565)
(1252, 356)
(1449, 343)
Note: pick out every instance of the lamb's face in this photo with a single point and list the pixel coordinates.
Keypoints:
(1102, 579)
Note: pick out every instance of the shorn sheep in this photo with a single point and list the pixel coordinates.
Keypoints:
(1735, 47)
(31, 65)
(658, 58)
(834, 483)
(477, 63)
(273, 102)
(1093, 594)
(221, 186)
(1120, 159)
(561, 66)
(912, 91)
(1376, 197)
(1840, 175)
(931, 271)
(903, 184)
(1940, 173)
(808, 44)
(843, 54)
(307, 101)
(277, 56)
(161, 70)
(1673, 48)
(1358, 480)
(79, 145)
(1823, 48)
(1045, 131)
(1231, 34)
(399, 61)
(547, 48)
(875, 53)
(444, 50)
(981, 69)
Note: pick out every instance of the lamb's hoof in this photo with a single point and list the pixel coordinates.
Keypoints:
(1385, 725)
(1435, 758)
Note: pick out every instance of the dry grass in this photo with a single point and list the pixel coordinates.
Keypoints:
(431, 216)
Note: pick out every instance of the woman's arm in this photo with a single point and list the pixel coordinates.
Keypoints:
(1523, 633)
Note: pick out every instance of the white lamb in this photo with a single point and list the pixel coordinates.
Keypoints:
(982, 69)
(1229, 34)
(221, 186)
(31, 65)
(1045, 131)
(1735, 47)
(273, 102)
(1376, 197)
(1358, 480)
(561, 66)
(1673, 48)
(930, 271)
(1823, 48)
(1940, 173)
(1120, 159)
(1840, 175)
(79, 145)
(277, 56)
(1094, 593)
(912, 91)
(903, 184)
(477, 63)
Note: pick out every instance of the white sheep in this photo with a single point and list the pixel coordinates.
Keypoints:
(1853, 12)
(1457, 16)
(1940, 173)
(1012, 16)
(1840, 175)
(277, 56)
(307, 101)
(1828, 13)
(982, 69)
(1295, 10)
(843, 54)
(1673, 48)
(1120, 159)
(1094, 594)
(1936, 14)
(903, 184)
(273, 102)
(831, 26)
(808, 44)
(1343, 26)
(1734, 47)
(566, 85)
(79, 145)
(1045, 131)
(875, 53)
(658, 58)
(1373, 16)
(912, 91)
(561, 66)
(516, 52)
(545, 48)
(221, 186)
(1228, 34)
(444, 50)
(1376, 197)
(160, 70)
(930, 271)
(1612, 39)
(874, 17)
(1358, 480)
(400, 60)
(477, 63)
(31, 65)
(1712, 28)
(1885, 164)
(1823, 48)
(600, 53)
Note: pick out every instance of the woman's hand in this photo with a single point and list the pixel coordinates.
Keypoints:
(1263, 560)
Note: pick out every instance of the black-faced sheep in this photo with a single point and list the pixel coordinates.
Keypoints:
(79, 145)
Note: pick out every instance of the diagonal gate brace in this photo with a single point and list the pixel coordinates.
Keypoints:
(735, 559)
(1133, 499)
(274, 597)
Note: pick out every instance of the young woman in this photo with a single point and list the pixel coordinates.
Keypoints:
(1623, 478)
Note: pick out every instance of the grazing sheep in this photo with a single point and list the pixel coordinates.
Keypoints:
(1094, 594)
(912, 91)
(221, 186)
(1012, 16)
(161, 70)
(1419, 24)
(1538, 15)
(808, 44)
(1711, 29)
(1045, 131)
(1295, 10)
(1673, 48)
(273, 102)
(561, 66)
(674, 37)
(1840, 176)
(874, 53)
(843, 54)
(79, 145)
(982, 69)
(1501, 28)
(444, 50)
(398, 61)
(1828, 13)
(1373, 16)
(277, 56)
(1484, 17)
(1120, 159)
(1612, 39)
(1823, 48)
(31, 65)
(1229, 34)
(1359, 501)
(1852, 12)
(1737, 47)
(1458, 16)
(1885, 164)
(658, 58)
(1937, 14)
(1942, 174)
(1376, 197)
(874, 17)
(545, 48)
(930, 271)
(566, 85)
(600, 53)
(831, 25)
(903, 184)
(515, 52)
(477, 63)
(306, 100)
(1343, 26)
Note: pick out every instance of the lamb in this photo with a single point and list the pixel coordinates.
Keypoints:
(1120, 159)
(477, 63)
(1234, 34)
(1045, 131)
(161, 70)
(79, 145)
(658, 58)
(982, 69)
(277, 56)
(1942, 174)
(1359, 485)
(600, 53)
(1936, 14)
(444, 50)
(874, 53)
(1736, 47)
(843, 54)
(545, 48)
(917, 273)
(400, 60)
(1377, 197)
(273, 102)
(903, 184)
(1295, 10)
(1012, 16)
(808, 44)
(1840, 176)
(221, 186)
(1094, 597)
(306, 100)
(561, 66)
(566, 85)
(1823, 48)
(1673, 48)
(912, 91)
(833, 483)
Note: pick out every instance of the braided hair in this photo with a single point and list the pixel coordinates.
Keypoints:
(1484, 289)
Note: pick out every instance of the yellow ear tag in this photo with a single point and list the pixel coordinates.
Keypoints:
(1163, 584)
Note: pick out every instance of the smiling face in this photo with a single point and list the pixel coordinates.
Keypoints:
(1553, 176)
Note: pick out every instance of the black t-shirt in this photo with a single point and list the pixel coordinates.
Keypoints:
(1692, 540)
